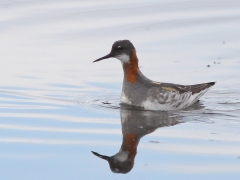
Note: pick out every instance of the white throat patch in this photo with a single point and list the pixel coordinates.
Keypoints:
(121, 156)
(123, 58)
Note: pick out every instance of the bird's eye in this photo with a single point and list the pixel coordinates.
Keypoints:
(119, 47)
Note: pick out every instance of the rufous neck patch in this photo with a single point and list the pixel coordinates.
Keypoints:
(130, 143)
(131, 68)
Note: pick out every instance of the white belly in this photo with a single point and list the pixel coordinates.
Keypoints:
(124, 99)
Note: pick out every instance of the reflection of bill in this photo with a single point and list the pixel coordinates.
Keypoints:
(135, 125)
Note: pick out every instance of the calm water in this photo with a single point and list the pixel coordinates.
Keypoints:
(57, 106)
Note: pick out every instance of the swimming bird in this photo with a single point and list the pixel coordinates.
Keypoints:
(138, 90)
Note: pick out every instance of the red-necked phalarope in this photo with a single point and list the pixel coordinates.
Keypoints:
(140, 91)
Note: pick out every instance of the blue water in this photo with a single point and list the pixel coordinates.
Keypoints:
(57, 106)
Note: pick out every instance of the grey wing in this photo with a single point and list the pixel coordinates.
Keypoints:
(183, 96)
(197, 88)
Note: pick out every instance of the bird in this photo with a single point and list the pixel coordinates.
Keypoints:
(139, 91)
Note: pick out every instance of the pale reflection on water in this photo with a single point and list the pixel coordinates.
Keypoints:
(135, 125)
(57, 106)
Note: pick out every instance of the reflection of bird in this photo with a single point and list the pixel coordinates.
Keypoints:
(135, 125)
(140, 91)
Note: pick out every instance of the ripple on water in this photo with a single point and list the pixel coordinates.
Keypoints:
(56, 106)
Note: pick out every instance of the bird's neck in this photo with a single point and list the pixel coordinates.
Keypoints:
(129, 145)
(131, 69)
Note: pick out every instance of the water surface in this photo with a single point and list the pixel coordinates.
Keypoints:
(57, 106)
